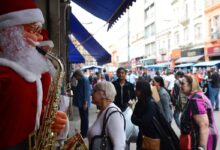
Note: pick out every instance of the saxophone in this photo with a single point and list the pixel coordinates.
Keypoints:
(45, 139)
(75, 142)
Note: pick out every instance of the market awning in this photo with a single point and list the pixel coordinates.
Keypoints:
(74, 55)
(88, 42)
(184, 65)
(91, 67)
(161, 65)
(189, 59)
(207, 63)
(108, 10)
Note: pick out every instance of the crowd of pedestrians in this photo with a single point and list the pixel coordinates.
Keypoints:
(188, 98)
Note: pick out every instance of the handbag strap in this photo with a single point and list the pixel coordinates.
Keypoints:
(162, 132)
(105, 120)
(159, 127)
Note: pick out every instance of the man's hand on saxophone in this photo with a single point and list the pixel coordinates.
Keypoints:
(59, 122)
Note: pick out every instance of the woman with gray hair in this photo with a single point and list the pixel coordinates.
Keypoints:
(103, 96)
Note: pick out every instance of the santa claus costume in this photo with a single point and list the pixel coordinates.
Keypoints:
(24, 77)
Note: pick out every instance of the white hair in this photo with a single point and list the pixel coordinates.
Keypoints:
(108, 88)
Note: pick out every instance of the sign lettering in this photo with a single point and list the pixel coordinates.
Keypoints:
(190, 54)
(216, 50)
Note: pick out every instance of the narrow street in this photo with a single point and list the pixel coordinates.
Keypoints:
(75, 124)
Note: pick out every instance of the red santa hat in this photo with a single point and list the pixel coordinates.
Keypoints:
(18, 12)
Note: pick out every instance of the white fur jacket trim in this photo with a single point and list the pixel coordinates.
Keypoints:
(27, 75)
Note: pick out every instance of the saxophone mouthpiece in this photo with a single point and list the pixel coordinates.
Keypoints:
(41, 50)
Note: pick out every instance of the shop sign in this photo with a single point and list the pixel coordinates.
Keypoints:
(194, 52)
(176, 54)
(214, 50)
(190, 54)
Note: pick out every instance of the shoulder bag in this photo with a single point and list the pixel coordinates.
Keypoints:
(103, 142)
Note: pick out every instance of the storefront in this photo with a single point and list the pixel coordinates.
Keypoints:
(191, 56)
(124, 65)
(147, 61)
(213, 53)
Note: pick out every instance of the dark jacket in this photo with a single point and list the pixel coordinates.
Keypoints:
(147, 78)
(124, 94)
(82, 92)
(215, 80)
(142, 117)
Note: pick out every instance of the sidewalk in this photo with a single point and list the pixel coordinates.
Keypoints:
(75, 124)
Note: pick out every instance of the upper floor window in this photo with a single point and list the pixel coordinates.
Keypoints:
(176, 38)
(186, 34)
(215, 28)
(197, 5)
(168, 44)
(149, 12)
(150, 30)
(146, 13)
(153, 29)
(147, 50)
(147, 32)
(153, 48)
(198, 31)
(186, 11)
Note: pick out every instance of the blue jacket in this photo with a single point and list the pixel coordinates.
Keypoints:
(82, 92)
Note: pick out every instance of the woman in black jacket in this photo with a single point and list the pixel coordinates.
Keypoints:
(144, 112)
(152, 124)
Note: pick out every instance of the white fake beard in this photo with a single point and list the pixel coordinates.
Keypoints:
(15, 48)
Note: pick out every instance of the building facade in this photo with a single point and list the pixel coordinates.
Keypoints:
(127, 37)
(212, 28)
(187, 31)
(171, 32)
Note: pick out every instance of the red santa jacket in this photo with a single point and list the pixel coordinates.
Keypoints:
(20, 92)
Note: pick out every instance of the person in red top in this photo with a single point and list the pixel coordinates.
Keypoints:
(24, 74)
(198, 75)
